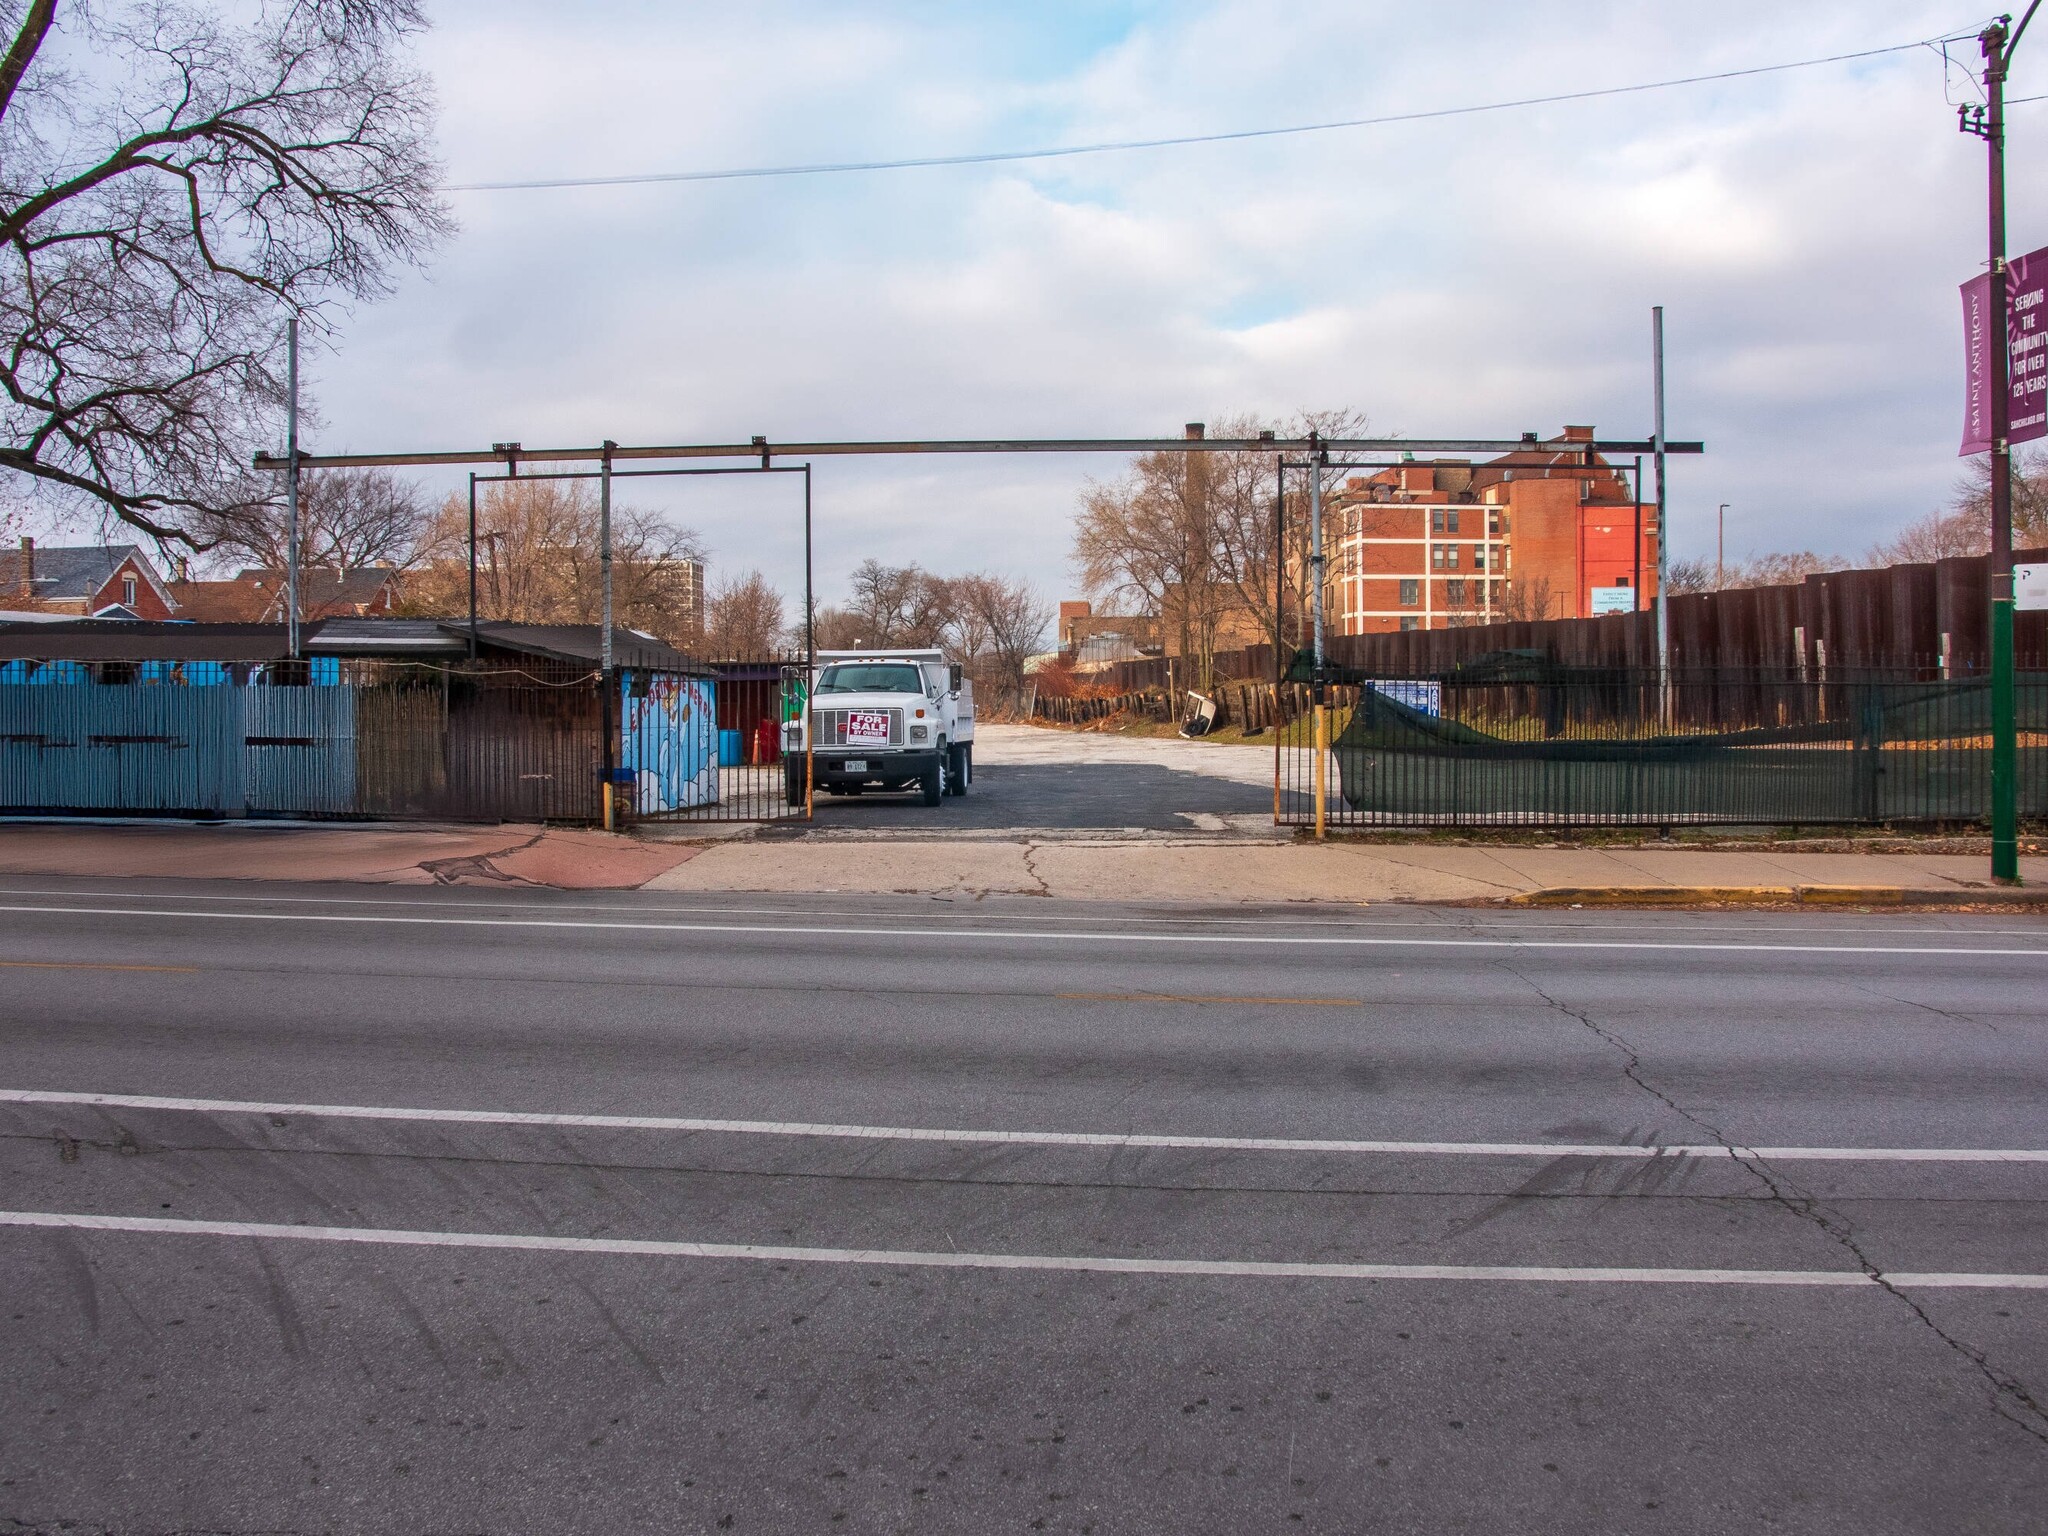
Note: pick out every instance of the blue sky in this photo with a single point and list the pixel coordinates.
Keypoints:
(1478, 276)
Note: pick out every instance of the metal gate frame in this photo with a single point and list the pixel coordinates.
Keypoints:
(613, 723)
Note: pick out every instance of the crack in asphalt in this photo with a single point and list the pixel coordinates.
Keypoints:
(2032, 1420)
(1940, 1013)
(1031, 869)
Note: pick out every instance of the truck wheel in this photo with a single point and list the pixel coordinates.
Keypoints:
(956, 770)
(934, 781)
(793, 782)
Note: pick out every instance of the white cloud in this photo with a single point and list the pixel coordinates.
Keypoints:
(1478, 275)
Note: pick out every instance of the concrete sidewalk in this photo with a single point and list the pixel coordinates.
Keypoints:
(1163, 869)
(1226, 873)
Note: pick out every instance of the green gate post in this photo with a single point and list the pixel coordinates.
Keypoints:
(2005, 800)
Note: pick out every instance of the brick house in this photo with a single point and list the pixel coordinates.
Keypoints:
(257, 595)
(90, 581)
(1533, 534)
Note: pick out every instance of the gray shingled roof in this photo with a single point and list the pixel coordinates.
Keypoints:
(65, 573)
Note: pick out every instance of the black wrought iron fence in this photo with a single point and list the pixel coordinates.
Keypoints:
(711, 749)
(1539, 746)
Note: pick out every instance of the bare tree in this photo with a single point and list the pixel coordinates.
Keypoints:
(1261, 564)
(1522, 601)
(1009, 621)
(1689, 576)
(347, 518)
(1780, 569)
(1150, 539)
(173, 183)
(743, 617)
(1971, 504)
(538, 562)
(898, 605)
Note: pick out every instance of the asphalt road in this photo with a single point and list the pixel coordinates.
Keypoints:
(1461, 1294)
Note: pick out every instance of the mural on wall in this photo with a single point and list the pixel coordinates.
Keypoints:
(669, 740)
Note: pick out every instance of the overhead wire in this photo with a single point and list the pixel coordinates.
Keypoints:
(1116, 146)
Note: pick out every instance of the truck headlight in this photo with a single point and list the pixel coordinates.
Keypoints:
(919, 732)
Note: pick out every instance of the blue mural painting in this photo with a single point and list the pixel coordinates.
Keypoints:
(668, 740)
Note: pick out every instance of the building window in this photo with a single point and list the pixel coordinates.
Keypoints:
(1454, 592)
(1450, 557)
(1443, 520)
(1411, 592)
(128, 591)
(1409, 621)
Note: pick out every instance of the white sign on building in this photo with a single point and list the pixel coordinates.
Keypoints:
(1613, 600)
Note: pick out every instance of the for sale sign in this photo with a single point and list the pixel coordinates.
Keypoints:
(2026, 336)
(867, 728)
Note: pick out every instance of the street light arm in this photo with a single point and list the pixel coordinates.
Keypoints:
(2020, 30)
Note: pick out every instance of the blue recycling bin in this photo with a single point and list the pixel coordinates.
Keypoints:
(731, 752)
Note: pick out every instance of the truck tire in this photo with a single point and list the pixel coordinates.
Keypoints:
(934, 782)
(956, 770)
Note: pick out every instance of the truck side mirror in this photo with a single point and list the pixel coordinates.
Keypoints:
(954, 672)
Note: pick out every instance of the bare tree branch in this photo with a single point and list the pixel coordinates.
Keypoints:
(173, 185)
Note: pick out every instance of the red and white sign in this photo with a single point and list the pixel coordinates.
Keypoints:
(867, 728)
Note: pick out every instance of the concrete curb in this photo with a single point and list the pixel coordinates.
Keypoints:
(1775, 896)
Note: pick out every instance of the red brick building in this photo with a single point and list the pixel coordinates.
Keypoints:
(93, 580)
(1532, 535)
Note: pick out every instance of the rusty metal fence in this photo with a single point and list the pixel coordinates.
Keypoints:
(1620, 747)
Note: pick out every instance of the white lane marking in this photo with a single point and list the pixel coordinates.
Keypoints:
(1112, 1139)
(1816, 920)
(912, 1258)
(1059, 936)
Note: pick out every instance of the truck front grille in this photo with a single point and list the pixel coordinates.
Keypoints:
(828, 726)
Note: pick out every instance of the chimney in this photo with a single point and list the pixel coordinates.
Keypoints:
(1195, 431)
(28, 566)
(184, 568)
(1578, 434)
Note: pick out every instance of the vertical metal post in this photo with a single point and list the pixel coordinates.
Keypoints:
(1663, 520)
(1279, 617)
(472, 565)
(1721, 546)
(2005, 852)
(810, 661)
(604, 553)
(1636, 601)
(606, 679)
(291, 475)
(1317, 456)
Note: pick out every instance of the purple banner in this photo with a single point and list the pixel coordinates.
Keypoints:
(2026, 325)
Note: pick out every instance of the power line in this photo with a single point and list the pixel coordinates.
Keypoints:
(995, 157)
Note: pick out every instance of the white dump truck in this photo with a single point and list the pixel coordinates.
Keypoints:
(884, 719)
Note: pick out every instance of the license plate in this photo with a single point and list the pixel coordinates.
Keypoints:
(855, 765)
(867, 728)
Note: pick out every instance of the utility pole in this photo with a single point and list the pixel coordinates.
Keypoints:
(291, 477)
(1721, 547)
(1989, 125)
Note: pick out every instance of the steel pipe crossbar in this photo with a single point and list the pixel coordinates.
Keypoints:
(763, 450)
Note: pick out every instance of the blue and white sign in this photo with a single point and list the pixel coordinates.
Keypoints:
(1423, 698)
(1613, 600)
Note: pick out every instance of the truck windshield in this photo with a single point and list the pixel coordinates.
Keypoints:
(870, 677)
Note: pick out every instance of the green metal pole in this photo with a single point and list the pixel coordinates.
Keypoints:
(1998, 44)
(2005, 806)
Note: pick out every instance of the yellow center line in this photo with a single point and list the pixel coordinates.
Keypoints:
(90, 965)
(1174, 997)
